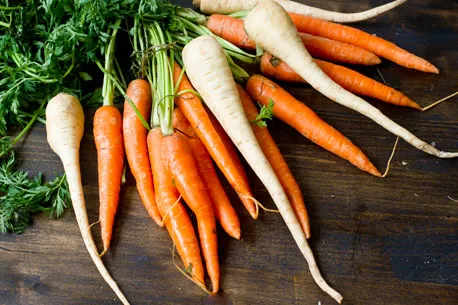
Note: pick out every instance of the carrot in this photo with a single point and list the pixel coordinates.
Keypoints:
(176, 219)
(197, 116)
(224, 212)
(65, 128)
(350, 80)
(110, 157)
(231, 29)
(233, 6)
(359, 38)
(209, 72)
(278, 163)
(272, 28)
(230, 148)
(181, 164)
(307, 122)
(135, 134)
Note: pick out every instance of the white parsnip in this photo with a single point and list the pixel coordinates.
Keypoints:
(270, 26)
(209, 73)
(232, 6)
(64, 128)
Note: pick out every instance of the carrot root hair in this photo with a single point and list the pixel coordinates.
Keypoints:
(105, 250)
(186, 273)
(391, 158)
(258, 204)
(439, 101)
(167, 213)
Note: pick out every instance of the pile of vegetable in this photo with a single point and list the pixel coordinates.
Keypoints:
(189, 109)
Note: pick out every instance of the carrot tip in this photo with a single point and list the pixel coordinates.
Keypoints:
(105, 249)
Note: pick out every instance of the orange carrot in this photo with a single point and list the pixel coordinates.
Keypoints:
(281, 168)
(110, 157)
(181, 164)
(197, 116)
(229, 145)
(135, 135)
(361, 39)
(231, 29)
(350, 80)
(224, 212)
(176, 219)
(304, 120)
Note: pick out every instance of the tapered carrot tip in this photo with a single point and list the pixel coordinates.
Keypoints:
(374, 60)
(236, 233)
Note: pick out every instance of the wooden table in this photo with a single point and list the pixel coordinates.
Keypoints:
(377, 241)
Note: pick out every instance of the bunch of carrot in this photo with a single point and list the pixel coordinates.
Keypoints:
(171, 156)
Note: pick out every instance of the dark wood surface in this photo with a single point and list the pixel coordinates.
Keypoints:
(377, 241)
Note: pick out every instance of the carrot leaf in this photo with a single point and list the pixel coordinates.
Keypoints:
(265, 113)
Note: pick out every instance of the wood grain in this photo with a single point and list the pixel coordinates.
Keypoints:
(377, 241)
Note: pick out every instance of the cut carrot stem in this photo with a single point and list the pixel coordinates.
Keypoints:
(232, 30)
(197, 116)
(307, 122)
(176, 219)
(180, 162)
(224, 212)
(377, 45)
(350, 80)
(278, 163)
(110, 159)
(135, 134)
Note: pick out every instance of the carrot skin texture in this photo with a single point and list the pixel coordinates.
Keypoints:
(180, 162)
(110, 159)
(177, 220)
(278, 163)
(135, 140)
(224, 212)
(307, 122)
(198, 117)
(232, 30)
(347, 78)
(346, 34)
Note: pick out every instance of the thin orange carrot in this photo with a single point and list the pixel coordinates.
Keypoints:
(231, 29)
(377, 45)
(181, 164)
(307, 122)
(197, 116)
(278, 163)
(135, 135)
(176, 219)
(110, 159)
(350, 80)
(224, 212)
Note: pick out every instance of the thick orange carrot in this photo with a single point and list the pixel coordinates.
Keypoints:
(307, 122)
(110, 157)
(224, 212)
(176, 219)
(361, 39)
(135, 135)
(231, 29)
(197, 116)
(351, 80)
(181, 164)
(278, 163)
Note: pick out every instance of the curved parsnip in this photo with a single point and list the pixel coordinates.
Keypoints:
(209, 73)
(232, 6)
(64, 128)
(270, 26)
